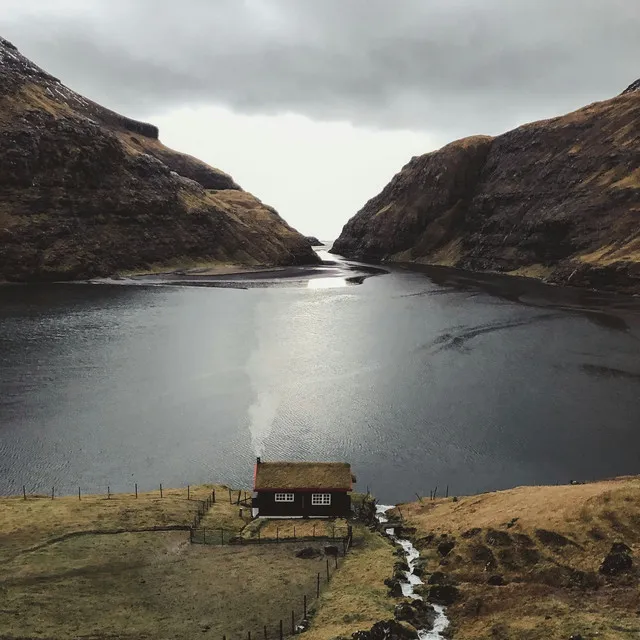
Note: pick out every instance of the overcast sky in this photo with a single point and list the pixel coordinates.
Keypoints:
(313, 105)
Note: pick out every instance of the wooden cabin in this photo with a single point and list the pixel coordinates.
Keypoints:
(302, 489)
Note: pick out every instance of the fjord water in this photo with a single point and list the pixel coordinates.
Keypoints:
(418, 381)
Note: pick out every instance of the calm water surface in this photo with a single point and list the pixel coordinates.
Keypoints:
(418, 380)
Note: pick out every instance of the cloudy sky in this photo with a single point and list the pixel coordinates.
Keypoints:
(313, 105)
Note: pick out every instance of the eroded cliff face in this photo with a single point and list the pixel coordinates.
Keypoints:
(85, 192)
(557, 200)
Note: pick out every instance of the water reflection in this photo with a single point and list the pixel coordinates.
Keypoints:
(326, 283)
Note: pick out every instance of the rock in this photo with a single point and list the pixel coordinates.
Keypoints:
(553, 539)
(498, 538)
(446, 547)
(576, 636)
(496, 581)
(331, 550)
(438, 577)
(309, 552)
(444, 594)
(395, 588)
(544, 200)
(617, 561)
(420, 566)
(418, 613)
(313, 241)
(400, 567)
(470, 533)
(481, 554)
(87, 192)
(386, 630)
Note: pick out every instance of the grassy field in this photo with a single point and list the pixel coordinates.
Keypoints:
(547, 543)
(74, 568)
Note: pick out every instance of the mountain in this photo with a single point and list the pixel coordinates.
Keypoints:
(86, 192)
(557, 200)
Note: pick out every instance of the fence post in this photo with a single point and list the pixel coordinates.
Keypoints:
(230, 500)
(239, 494)
(333, 532)
(327, 569)
(204, 535)
(213, 496)
(447, 493)
(265, 632)
(336, 557)
(191, 535)
(161, 489)
(136, 490)
(313, 535)
(277, 534)
(188, 492)
(24, 492)
(53, 491)
(294, 531)
(305, 607)
(108, 492)
(79, 498)
(318, 586)
(293, 624)
(248, 635)
(281, 634)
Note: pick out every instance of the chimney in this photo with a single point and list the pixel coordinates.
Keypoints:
(258, 461)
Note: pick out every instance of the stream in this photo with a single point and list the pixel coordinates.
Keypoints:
(412, 580)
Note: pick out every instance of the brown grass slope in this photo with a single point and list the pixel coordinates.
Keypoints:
(547, 543)
(558, 199)
(85, 192)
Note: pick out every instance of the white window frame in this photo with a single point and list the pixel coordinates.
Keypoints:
(284, 497)
(320, 499)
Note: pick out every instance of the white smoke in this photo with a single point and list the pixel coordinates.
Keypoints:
(262, 413)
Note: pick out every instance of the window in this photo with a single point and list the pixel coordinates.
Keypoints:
(284, 497)
(320, 499)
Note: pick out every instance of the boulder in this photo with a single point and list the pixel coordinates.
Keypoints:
(617, 561)
(420, 566)
(395, 588)
(444, 594)
(387, 630)
(438, 577)
(445, 547)
(418, 613)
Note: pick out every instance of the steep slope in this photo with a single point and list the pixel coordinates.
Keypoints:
(86, 192)
(557, 199)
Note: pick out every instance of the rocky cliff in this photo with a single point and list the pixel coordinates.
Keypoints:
(557, 200)
(85, 192)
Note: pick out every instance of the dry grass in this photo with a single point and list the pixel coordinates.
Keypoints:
(358, 597)
(37, 520)
(272, 529)
(151, 585)
(294, 475)
(554, 589)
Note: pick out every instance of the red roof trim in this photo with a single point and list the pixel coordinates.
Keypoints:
(299, 489)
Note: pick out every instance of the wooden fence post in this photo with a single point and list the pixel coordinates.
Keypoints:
(447, 493)
(136, 490)
(230, 500)
(79, 498)
(327, 569)
(277, 534)
(213, 496)
(318, 586)
(313, 535)
(305, 607)
(294, 531)
(281, 634)
(24, 492)
(188, 492)
(53, 491)
(204, 535)
(336, 557)
(265, 632)
(248, 635)
(293, 624)
(161, 489)
(191, 535)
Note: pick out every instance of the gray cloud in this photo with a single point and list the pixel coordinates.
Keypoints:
(451, 66)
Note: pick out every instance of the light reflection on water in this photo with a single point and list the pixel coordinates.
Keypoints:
(326, 283)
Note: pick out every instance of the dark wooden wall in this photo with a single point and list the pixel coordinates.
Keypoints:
(301, 506)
